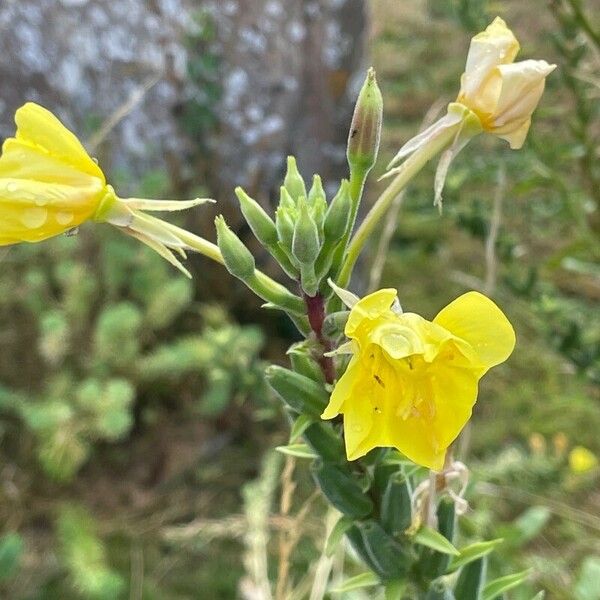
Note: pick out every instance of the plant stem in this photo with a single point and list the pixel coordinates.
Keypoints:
(315, 307)
(409, 169)
(356, 186)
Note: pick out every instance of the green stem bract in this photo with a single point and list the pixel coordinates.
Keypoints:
(325, 442)
(342, 490)
(300, 393)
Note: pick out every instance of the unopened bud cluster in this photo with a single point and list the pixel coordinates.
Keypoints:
(302, 236)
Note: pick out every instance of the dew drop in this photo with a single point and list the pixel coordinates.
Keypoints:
(40, 200)
(33, 218)
(64, 217)
(357, 428)
(11, 187)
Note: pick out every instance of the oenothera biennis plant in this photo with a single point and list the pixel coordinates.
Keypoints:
(410, 384)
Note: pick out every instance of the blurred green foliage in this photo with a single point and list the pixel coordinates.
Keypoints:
(102, 334)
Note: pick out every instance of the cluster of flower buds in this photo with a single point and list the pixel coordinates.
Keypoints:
(302, 237)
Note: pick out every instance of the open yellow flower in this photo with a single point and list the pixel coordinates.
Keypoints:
(49, 185)
(412, 383)
(497, 96)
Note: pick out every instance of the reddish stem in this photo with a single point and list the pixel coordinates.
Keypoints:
(315, 306)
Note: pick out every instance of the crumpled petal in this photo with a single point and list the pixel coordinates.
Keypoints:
(522, 88)
(490, 48)
(370, 307)
(476, 319)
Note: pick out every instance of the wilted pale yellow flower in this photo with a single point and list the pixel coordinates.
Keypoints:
(49, 185)
(582, 460)
(497, 96)
(412, 383)
(503, 94)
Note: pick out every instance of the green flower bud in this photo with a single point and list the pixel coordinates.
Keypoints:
(284, 224)
(261, 224)
(365, 130)
(316, 191)
(238, 259)
(293, 181)
(338, 213)
(305, 243)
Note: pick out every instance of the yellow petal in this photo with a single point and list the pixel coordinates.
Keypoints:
(370, 307)
(522, 88)
(490, 48)
(425, 433)
(342, 389)
(39, 127)
(32, 211)
(21, 160)
(515, 135)
(477, 320)
(360, 435)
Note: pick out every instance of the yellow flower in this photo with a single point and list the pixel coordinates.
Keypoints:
(49, 185)
(412, 383)
(497, 96)
(502, 94)
(582, 460)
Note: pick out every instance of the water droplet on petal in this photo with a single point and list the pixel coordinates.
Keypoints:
(357, 428)
(11, 187)
(33, 218)
(40, 200)
(64, 217)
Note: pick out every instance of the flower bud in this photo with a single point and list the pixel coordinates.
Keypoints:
(261, 224)
(365, 130)
(284, 223)
(293, 181)
(317, 193)
(238, 259)
(305, 243)
(338, 213)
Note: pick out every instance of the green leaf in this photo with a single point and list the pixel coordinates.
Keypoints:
(539, 596)
(299, 427)
(473, 552)
(435, 540)
(503, 584)
(297, 450)
(364, 580)
(336, 535)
